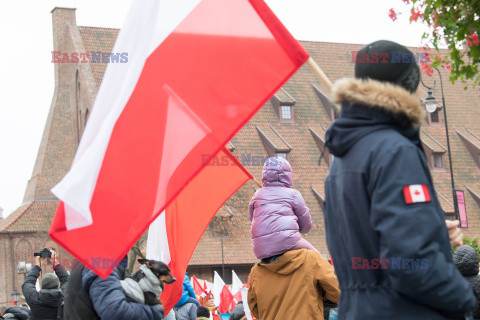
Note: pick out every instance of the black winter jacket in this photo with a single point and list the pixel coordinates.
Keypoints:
(107, 298)
(385, 228)
(238, 312)
(78, 304)
(47, 303)
(466, 261)
(16, 313)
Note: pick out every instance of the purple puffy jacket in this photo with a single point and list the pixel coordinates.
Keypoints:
(278, 213)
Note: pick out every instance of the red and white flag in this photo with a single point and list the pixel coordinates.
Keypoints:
(197, 287)
(197, 71)
(416, 193)
(173, 236)
(222, 296)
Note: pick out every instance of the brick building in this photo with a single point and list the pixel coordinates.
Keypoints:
(291, 124)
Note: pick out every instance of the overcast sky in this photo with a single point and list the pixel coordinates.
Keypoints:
(26, 71)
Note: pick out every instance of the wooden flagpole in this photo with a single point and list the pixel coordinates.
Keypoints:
(258, 183)
(319, 73)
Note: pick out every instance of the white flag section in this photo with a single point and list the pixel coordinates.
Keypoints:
(218, 285)
(246, 308)
(77, 187)
(236, 283)
(157, 241)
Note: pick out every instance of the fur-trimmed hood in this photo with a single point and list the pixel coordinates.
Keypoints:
(368, 106)
(384, 95)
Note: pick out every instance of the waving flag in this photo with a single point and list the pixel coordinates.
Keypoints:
(173, 236)
(237, 285)
(197, 71)
(222, 295)
(197, 287)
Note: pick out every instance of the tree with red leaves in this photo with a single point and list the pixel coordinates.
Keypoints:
(455, 23)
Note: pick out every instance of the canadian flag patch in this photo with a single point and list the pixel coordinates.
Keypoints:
(416, 193)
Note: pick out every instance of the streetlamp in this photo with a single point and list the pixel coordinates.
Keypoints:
(431, 104)
(24, 268)
(15, 296)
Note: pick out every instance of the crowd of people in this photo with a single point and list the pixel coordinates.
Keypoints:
(385, 230)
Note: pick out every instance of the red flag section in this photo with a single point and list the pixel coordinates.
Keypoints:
(197, 287)
(190, 213)
(196, 89)
(226, 299)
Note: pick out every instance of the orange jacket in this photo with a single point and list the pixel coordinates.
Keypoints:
(291, 287)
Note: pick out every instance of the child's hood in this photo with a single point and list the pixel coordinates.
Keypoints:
(277, 172)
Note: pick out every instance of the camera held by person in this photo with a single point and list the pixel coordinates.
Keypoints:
(48, 303)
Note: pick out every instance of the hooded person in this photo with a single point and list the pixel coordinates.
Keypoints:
(278, 212)
(188, 294)
(15, 313)
(292, 286)
(48, 303)
(384, 225)
(466, 261)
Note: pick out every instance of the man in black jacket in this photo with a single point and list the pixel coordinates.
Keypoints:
(48, 303)
(385, 228)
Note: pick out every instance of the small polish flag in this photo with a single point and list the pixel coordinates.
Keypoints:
(416, 193)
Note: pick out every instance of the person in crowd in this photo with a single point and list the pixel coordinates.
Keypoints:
(187, 311)
(89, 297)
(291, 286)
(14, 313)
(278, 213)
(466, 261)
(170, 315)
(48, 303)
(203, 313)
(385, 228)
(207, 300)
(188, 294)
(238, 313)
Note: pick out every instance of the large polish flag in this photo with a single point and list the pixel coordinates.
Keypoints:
(197, 71)
(173, 236)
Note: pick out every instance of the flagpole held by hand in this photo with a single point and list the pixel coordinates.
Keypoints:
(319, 73)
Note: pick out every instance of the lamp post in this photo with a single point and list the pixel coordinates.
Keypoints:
(431, 104)
(15, 296)
(24, 268)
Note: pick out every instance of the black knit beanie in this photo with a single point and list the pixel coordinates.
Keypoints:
(388, 61)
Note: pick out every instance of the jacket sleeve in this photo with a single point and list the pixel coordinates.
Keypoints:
(189, 288)
(62, 275)
(415, 232)
(109, 300)
(251, 207)
(252, 297)
(302, 212)
(28, 287)
(327, 280)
